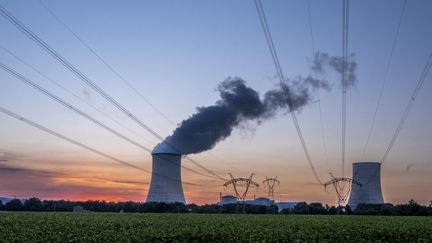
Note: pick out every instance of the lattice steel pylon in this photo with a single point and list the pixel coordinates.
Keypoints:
(271, 182)
(339, 184)
(241, 181)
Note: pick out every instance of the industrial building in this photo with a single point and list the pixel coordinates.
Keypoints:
(263, 201)
(166, 183)
(227, 199)
(368, 174)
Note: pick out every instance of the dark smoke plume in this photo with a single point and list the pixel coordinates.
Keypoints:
(239, 103)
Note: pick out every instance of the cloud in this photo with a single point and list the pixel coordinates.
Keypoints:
(409, 167)
(7, 155)
(27, 182)
(85, 92)
(7, 170)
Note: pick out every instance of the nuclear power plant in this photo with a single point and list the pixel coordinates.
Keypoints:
(368, 174)
(166, 183)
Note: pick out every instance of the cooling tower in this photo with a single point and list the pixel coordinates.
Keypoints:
(368, 174)
(166, 184)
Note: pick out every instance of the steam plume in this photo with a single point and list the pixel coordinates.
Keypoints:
(322, 60)
(239, 103)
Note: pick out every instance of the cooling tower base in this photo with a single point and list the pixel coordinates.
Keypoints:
(368, 174)
(166, 185)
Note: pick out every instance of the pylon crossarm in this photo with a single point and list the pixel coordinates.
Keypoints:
(238, 181)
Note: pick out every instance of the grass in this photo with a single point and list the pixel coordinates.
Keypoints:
(109, 227)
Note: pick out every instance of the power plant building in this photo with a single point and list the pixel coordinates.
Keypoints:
(228, 199)
(368, 174)
(166, 183)
(262, 201)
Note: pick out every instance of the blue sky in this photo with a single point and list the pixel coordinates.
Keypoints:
(176, 52)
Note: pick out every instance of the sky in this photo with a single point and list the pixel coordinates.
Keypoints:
(175, 53)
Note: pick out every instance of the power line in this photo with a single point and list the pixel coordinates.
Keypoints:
(109, 66)
(88, 81)
(384, 82)
(73, 69)
(68, 105)
(317, 93)
(408, 107)
(279, 72)
(70, 92)
(58, 135)
(345, 28)
(40, 127)
(115, 72)
(78, 111)
(405, 114)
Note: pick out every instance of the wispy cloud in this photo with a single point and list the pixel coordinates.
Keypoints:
(26, 182)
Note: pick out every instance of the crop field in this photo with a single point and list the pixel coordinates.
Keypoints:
(104, 227)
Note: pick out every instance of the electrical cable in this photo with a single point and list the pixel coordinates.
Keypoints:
(317, 93)
(109, 66)
(405, 113)
(408, 107)
(78, 111)
(70, 92)
(62, 60)
(279, 72)
(345, 29)
(58, 135)
(384, 82)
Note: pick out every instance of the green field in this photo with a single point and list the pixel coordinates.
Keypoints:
(103, 227)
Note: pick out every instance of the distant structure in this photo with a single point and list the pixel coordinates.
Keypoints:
(166, 184)
(237, 182)
(270, 183)
(369, 175)
(342, 186)
(285, 205)
(228, 199)
(78, 209)
(245, 183)
(5, 200)
(263, 201)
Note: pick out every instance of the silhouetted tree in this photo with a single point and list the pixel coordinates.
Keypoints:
(332, 210)
(348, 210)
(33, 204)
(300, 208)
(386, 209)
(367, 209)
(208, 208)
(408, 209)
(316, 208)
(14, 205)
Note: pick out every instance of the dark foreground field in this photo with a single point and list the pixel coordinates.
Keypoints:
(103, 227)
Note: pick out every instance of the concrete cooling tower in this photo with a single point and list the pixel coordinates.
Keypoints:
(368, 174)
(166, 184)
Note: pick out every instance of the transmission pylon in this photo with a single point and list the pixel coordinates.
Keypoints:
(271, 182)
(342, 186)
(237, 182)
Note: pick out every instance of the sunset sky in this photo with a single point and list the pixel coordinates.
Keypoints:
(175, 53)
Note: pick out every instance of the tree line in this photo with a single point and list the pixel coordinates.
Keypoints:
(411, 208)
